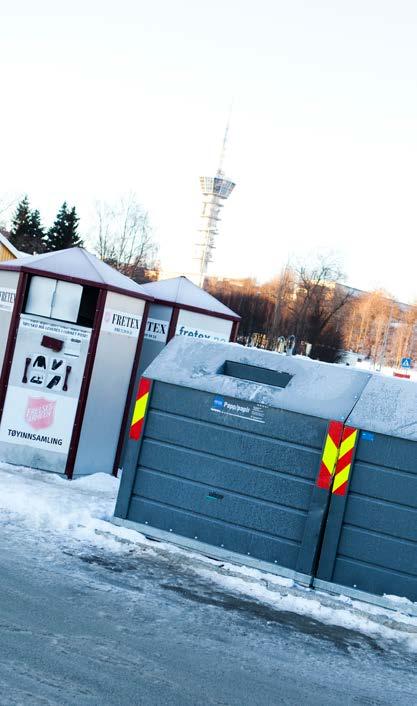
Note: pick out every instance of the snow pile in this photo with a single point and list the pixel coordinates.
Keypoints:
(387, 407)
(180, 290)
(387, 627)
(46, 501)
(78, 513)
(386, 370)
(318, 389)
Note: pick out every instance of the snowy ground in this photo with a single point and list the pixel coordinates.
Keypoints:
(93, 613)
(386, 370)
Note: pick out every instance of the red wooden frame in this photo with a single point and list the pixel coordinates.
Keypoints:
(130, 390)
(85, 386)
(11, 339)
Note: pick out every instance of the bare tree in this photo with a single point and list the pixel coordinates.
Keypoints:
(7, 203)
(285, 290)
(124, 236)
(370, 319)
(308, 302)
(319, 298)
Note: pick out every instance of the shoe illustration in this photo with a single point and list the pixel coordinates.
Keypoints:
(54, 382)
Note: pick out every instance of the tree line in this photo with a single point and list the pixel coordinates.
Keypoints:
(333, 322)
(28, 234)
(307, 302)
(122, 235)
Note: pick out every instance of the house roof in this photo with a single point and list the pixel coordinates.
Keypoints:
(7, 244)
(77, 265)
(181, 291)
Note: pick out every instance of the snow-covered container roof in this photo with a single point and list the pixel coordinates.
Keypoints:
(316, 389)
(77, 265)
(185, 294)
(387, 406)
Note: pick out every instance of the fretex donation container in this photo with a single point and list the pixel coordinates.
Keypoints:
(179, 308)
(71, 330)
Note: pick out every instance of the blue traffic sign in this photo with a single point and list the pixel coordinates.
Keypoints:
(406, 362)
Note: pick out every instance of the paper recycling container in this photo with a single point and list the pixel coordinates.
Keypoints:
(229, 447)
(71, 330)
(370, 543)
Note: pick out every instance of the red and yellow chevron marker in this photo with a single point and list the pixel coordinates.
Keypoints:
(138, 418)
(330, 454)
(344, 462)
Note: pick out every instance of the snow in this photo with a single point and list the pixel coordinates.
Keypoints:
(45, 501)
(8, 245)
(376, 622)
(78, 514)
(366, 400)
(386, 370)
(387, 406)
(317, 389)
(179, 290)
(82, 265)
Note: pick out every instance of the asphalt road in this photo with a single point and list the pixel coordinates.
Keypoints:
(85, 626)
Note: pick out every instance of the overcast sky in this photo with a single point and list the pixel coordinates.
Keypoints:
(105, 97)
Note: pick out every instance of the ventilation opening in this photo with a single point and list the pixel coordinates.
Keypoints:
(252, 373)
(88, 306)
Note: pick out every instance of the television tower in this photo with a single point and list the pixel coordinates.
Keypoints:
(215, 192)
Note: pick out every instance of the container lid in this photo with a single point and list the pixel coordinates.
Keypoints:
(309, 387)
(186, 294)
(387, 406)
(77, 265)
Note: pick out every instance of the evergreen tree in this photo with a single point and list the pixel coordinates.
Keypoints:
(64, 232)
(37, 232)
(27, 233)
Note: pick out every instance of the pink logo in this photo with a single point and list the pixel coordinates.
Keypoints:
(40, 413)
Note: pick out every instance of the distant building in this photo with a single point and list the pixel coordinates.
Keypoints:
(7, 250)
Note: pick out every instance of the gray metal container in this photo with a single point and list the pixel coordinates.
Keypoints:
(370, 543)
(230, 451)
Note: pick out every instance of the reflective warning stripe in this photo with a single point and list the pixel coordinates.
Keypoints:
(330, 454)
(140, 409)
(344, 462)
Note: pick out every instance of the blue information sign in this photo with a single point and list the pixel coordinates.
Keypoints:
(406, 362)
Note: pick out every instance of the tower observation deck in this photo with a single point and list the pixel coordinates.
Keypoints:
(215, 191)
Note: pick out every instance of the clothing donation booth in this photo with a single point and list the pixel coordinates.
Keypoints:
(71, 330)
(179, 308)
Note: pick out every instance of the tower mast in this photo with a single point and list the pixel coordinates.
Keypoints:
(215, 191)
